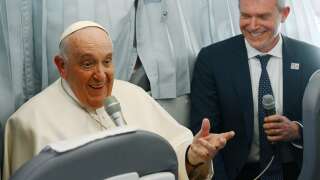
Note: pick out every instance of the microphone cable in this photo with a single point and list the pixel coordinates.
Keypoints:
(265, 169)
(269, 108)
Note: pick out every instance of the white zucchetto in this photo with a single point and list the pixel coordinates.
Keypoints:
(79, 25)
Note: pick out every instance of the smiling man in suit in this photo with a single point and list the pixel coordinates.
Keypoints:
(230, 79)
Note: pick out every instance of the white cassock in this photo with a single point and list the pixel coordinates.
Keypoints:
(55, 114)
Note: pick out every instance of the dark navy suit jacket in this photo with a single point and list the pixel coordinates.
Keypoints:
(221, 91)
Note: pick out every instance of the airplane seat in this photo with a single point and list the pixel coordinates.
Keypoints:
(311, 129)
(103, 155)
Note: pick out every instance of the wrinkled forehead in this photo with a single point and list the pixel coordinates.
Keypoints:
(78, 26)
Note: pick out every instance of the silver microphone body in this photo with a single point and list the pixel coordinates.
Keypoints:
(268, 105)
(113, 109)
(117, 118)
(269, 109)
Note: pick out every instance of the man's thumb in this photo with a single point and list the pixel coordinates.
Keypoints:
(205, 128)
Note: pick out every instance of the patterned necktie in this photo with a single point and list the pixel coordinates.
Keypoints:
(274, 172)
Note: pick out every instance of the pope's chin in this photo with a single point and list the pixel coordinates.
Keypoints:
(95, 102)
(95, 98)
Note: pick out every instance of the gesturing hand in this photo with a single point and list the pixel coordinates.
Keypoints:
(205, 145)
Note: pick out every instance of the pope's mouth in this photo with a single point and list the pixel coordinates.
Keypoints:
(98, 86)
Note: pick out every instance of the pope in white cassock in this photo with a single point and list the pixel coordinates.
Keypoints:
(73, 106)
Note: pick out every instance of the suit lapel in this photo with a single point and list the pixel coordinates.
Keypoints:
(242, 85)
(292, 78)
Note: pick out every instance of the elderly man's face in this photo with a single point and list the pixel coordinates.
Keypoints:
(88, 68)
(260, 21)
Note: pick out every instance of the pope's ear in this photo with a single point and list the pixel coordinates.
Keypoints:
(61, 65)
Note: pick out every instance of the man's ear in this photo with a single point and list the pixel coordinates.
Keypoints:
(285, 13)
(61, 65)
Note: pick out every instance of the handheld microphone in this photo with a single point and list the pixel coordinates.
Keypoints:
(268, 105)
(269, 109)
(113, 109)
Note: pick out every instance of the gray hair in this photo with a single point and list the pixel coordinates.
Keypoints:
(280, 3)
(63, 48)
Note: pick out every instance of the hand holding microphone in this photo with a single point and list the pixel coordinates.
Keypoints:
(277, 127)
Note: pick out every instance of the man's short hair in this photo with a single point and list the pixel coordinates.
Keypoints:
(280, 3)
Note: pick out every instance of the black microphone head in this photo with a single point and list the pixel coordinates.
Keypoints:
(268, 102)
(112, 105)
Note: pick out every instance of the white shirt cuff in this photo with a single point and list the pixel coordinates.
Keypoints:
(298, 143)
